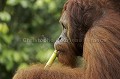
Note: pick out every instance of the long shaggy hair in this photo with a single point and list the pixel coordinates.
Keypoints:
(99, 21)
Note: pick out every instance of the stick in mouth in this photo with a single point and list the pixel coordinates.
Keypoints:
(51, 60)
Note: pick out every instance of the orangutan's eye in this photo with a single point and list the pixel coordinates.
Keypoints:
(64, 27)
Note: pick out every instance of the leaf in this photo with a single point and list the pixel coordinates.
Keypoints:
(4, 28)
(5, 16)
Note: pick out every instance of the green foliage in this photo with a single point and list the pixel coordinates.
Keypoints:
(5, 16)
(4, 28)
(28, 30)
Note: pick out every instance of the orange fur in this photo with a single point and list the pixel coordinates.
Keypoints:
(101, 49)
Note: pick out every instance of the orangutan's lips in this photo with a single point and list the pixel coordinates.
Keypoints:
(59, 52)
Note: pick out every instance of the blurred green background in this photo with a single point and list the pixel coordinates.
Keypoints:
(28, 30)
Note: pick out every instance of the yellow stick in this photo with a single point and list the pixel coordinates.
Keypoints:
(51, 60)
